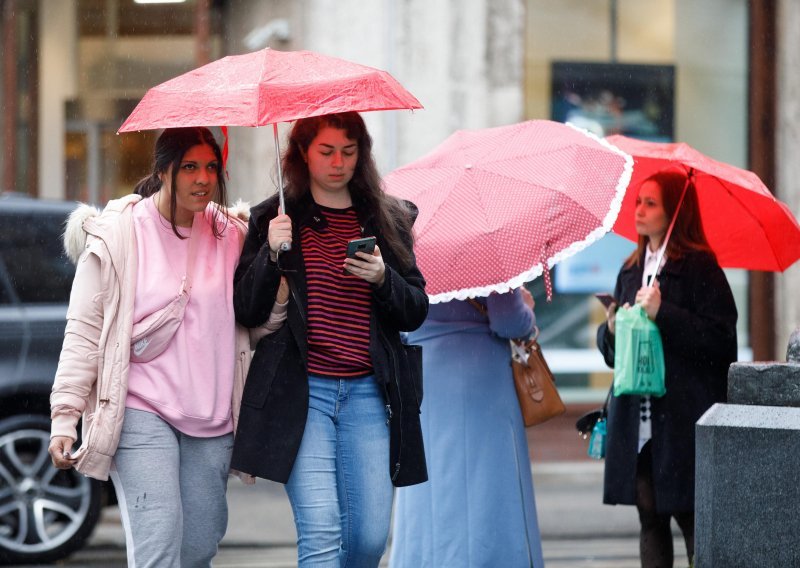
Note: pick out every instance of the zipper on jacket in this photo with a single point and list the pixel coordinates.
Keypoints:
(242, 365)
(296, 296)
(396, 374)
(102, 395)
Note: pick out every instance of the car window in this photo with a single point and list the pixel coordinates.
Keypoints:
(5, 284)
(6, 295)
(31, 250)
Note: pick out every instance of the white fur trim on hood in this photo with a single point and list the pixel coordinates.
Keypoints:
(240, 209)
(74, 235)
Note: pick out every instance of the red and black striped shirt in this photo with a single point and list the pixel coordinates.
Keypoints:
(339, 304)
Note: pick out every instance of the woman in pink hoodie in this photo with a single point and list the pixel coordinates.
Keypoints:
(152, 357)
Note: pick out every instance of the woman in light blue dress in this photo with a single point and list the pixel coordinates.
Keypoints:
(478, 507)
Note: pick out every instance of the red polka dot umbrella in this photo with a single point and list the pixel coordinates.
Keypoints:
(498, 205)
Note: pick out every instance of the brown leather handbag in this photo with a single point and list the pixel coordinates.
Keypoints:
(536, 387)
(538, 396)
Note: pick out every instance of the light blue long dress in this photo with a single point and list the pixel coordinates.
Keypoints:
(478, 507)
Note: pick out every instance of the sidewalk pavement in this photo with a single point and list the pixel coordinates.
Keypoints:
(577, 530)
(568, 496)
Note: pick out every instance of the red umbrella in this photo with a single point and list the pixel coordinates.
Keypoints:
(267, 87)
(746, 226)
(497, 205)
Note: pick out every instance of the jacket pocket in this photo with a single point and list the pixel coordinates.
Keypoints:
(414, 362)
(263, 369)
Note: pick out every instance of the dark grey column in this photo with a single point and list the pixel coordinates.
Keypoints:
(748, 458)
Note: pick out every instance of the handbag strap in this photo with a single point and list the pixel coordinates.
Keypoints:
(478, 306)
(532, 338)
(608, 399)
(191, 255)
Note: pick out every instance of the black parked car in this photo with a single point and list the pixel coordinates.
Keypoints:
(45, 513)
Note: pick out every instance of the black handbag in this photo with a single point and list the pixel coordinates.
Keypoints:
(585, 424)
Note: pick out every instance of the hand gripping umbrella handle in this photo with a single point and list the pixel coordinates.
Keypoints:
(287, 245)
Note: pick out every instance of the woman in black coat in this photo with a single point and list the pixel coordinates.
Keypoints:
(650, 452)
(331, 403)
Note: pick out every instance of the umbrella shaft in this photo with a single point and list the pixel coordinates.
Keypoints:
(278, 166)
(671, 226)
(284, 246)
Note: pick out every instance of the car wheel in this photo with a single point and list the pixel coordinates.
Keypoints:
(45, 513)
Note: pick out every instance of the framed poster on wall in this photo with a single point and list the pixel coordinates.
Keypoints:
(615, 98)
(609, 98)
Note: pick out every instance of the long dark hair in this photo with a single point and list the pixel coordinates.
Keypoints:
(170, 148)
(687, 234)
(391, 215)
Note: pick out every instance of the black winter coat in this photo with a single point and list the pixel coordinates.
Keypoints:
(275, 399)
(697, 321)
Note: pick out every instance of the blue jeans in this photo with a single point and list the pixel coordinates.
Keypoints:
(339, 489)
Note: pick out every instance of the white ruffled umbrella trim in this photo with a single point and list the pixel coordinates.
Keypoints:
(536, 270)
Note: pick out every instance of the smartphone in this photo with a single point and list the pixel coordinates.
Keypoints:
(605, 299)
(367, 245)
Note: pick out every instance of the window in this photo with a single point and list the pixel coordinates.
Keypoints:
(660, 70)
(31, 250)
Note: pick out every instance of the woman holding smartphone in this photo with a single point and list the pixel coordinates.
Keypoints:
(331, 403)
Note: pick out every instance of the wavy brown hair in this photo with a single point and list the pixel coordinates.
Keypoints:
(687, 234)
(170, 149)
(392, 216)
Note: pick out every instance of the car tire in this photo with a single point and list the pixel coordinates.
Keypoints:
(45, 513)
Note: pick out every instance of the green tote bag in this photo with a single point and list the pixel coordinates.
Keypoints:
(638, 354)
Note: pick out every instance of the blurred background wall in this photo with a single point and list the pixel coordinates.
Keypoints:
(72, 70)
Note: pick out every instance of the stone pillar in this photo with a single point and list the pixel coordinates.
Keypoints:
(748, 456)
(58, 82)
(462, 60)
(787, 172)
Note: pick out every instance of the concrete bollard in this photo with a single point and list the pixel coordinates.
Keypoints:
(793, 351)
(747, 498)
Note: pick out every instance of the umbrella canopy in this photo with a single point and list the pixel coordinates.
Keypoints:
(498, 205)
(266, 87)
(746, 226)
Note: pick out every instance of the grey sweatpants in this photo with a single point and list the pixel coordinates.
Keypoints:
(171, 492)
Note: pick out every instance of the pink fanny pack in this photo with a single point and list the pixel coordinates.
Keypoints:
(152, 335)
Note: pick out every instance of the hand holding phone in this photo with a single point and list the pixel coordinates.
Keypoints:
(366, 244)
(605, 299)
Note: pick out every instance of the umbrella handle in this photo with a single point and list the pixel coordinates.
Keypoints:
(284, 246)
